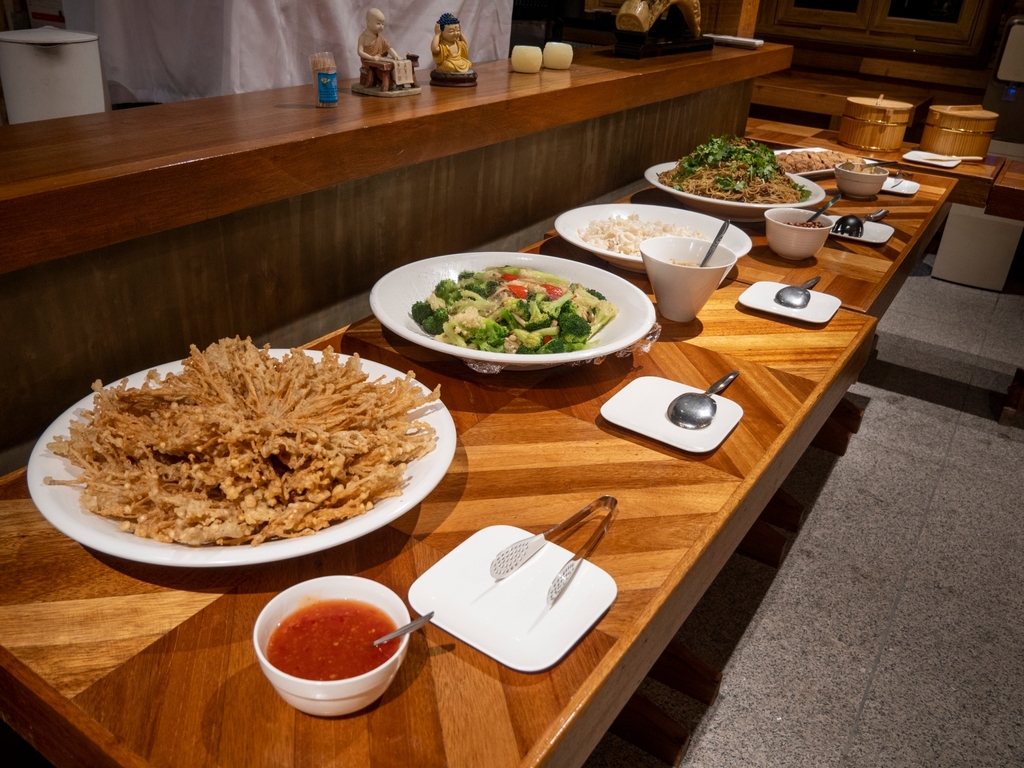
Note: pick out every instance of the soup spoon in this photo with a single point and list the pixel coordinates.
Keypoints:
(796, 296)
(853, 226)
(715, 242)
(412, 626)
(695, 410)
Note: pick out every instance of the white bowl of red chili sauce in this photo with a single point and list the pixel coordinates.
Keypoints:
(314, 642)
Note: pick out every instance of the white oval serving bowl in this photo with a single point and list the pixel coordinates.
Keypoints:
(394, 294)
(860, 180)
(329, 698)
(571, 222)
(795, 243)
(727, 209)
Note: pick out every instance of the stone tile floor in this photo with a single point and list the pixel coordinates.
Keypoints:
(893, 634)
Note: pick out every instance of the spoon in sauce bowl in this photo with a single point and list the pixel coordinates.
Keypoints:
(835, 198)
(695, 410)
(796, 296)
(412, 626)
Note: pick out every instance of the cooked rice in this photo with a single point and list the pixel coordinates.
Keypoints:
(624, 235)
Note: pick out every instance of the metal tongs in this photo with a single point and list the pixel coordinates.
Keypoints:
(514, 555)
(564, 576)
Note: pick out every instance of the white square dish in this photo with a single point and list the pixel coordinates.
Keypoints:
(874, 234)
(896, 186)
(641, 407)
(761, 296)
(509, 620)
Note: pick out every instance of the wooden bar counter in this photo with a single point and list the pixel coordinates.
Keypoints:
(104, 661)
(75, 184)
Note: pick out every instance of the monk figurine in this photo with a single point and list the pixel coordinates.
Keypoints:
(450, 51)
(382, 72)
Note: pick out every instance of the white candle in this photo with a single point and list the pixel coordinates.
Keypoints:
(526, 59)
(557, 55)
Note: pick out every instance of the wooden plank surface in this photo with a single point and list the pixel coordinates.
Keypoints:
(194, 694)
(974, 180)
(1007, 197)
(121, 175)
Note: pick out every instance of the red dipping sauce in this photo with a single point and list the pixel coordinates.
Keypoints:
(332, 640)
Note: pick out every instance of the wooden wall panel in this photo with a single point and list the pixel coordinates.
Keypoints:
(121, 308)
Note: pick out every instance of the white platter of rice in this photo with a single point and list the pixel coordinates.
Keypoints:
(614, 231)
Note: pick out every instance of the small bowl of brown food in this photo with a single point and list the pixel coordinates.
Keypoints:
(860, 180)
(792, 236)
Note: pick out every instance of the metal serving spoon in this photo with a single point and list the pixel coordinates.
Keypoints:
(564, 576)
(835, 198)
(796, 296)
(695, 410)
(853, 226)
(514, 555)
(714, 243)
(412, 626)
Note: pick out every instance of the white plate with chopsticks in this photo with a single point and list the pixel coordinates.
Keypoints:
(510, 620)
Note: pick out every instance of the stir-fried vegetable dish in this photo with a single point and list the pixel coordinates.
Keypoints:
(515, 310)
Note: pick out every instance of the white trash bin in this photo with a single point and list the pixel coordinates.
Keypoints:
(49, 72)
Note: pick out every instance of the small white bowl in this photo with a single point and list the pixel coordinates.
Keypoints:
(792, 242)
(328, 698)
(681, 286)
(860, 179)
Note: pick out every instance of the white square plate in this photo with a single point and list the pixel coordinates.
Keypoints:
(642, 404)
(509, 620)
(874, 234)
(761, 296)
(900, 186)
(916, 156)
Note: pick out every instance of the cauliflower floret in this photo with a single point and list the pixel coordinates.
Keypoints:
(467, 319)
(512, 343)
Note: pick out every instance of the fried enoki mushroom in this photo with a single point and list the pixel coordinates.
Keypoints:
(242, 447)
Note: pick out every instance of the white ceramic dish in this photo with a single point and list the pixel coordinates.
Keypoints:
(896, 186)
(824, 173)
(791, 242)
(60, 505)
(571, 222)
(509, 620)
(394, 294)
(859, 182)
(726, 209)
(875, 233)
(681, 286)
(761, 296)
(330, 698)
(641, 406)
(916, 156)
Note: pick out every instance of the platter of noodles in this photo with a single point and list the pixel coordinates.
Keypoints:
(628, 314)
(614, 231)
(734, 179)
(239, 455)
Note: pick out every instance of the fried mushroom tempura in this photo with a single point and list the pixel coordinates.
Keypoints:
(242, 447)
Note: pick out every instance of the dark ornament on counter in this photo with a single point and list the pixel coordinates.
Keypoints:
(382, 72)
(450, 51)
(641, 32)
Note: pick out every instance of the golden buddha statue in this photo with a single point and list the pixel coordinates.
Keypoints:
(450, 51)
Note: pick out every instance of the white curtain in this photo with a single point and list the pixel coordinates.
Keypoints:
(172, 50)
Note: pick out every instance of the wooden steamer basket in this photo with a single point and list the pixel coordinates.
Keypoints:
(874, 123)
(958, 130)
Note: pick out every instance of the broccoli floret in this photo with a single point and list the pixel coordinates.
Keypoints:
(489, 336)
(452, 335)
(528, 339)
(471, 299)
(574, 329)
(604, 313)
(476, 287)
(421, 310)
(517, 307)
(544, 322)
(598, 294)
(434, 324)
(525, 350)
(466, 275)
(554, 308)
(448, 291)
(554, 346)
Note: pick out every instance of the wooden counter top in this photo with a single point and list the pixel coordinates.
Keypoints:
(74, 184)
(1007, 197)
